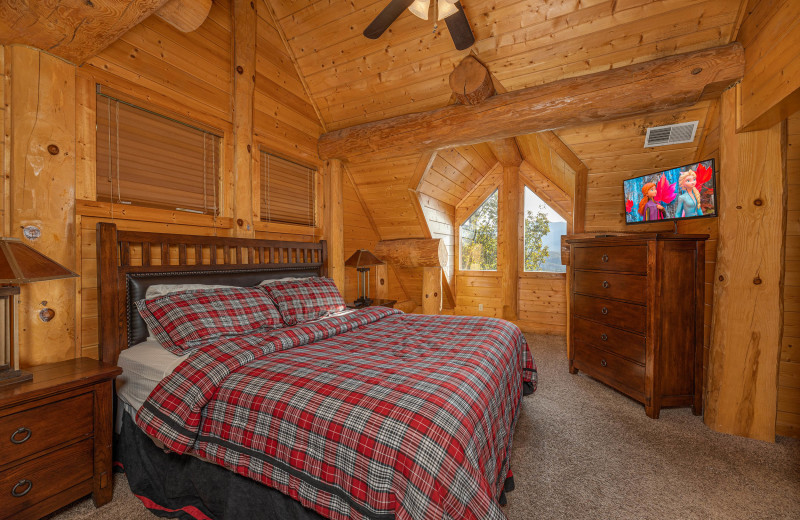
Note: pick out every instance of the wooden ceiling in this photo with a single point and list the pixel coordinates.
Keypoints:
(354, 80)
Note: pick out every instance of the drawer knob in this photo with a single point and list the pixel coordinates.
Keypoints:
(604, 336)
(603, 363)
(21, 488)
(605, 258)
(604, 310)
(21, 435)
(605, 284)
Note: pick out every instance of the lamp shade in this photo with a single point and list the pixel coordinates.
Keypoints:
(362, 258)
(20, 263)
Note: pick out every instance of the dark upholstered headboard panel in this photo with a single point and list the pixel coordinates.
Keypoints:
(130, 262)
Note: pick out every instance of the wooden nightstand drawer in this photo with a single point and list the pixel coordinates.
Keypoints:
(35, 481)
(38, 428)
(628, 259)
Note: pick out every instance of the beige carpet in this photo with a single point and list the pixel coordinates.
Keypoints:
(584, 451)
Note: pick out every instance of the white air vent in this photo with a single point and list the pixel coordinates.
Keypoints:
(670, 134)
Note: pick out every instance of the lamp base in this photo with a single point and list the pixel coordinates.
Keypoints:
(362, 302)
(12, 377)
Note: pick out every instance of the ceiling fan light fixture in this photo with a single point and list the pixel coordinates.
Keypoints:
(420, 8)
(447, 8)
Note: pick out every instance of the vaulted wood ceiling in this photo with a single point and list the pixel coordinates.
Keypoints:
(353, 80)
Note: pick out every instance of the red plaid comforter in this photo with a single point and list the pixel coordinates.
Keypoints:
(373, 414)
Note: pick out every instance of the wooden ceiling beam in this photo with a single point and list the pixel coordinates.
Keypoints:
(671, 82)
(185, 15)
(74, 31)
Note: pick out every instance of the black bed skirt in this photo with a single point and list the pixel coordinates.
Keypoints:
(180, 486)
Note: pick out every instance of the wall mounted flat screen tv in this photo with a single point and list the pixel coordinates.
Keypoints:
(681, 193)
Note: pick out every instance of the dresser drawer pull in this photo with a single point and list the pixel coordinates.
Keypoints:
(603, 363)
(15, 437)
(605, 258)
(604, 310)
(604, 337)
(25, 485)
(605, 284)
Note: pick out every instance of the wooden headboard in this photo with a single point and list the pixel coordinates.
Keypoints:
(130, 261)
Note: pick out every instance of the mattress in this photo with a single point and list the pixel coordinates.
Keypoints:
(144, 366)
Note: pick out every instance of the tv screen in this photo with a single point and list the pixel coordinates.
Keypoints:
(677, 194)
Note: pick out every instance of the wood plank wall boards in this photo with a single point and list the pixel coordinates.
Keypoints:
(68, 35)
(543, 305)
(614, 151)
(788, 420)
(475, 288)
(355, 80)
(5, 138)
(42, 192)
(770, 34)
(748, 301)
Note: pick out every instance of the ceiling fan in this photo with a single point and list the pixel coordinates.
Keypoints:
(450, 10)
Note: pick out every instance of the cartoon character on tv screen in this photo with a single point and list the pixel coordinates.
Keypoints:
(649, 209)
(689, 199)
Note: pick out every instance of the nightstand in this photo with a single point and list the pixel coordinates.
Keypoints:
(375, 303)
(55, 438)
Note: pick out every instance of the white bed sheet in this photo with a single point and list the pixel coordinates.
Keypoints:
(143, 366)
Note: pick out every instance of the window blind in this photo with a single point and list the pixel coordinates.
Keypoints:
(151, 160)
(287, 191)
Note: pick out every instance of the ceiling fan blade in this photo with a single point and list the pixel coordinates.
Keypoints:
(386, 17)
(459, 28)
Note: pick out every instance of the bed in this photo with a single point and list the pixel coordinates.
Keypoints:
(369, 414)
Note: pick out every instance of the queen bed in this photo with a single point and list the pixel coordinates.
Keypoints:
(316, 413)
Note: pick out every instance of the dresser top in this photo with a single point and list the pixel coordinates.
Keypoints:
(627, 238)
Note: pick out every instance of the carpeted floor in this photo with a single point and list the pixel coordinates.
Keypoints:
(584, 451)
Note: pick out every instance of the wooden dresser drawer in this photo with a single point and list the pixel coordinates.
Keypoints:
(610, 368)
(617, 314)
(629, 287)
(28, 484)
(628, 259)
(626, 344)
(29, 431)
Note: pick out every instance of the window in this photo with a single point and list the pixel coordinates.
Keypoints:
(543, 230)
(151, 160)
(287, 191)
(479, 238)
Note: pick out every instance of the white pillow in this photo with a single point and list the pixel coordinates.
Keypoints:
(159, 290)
(275, 280)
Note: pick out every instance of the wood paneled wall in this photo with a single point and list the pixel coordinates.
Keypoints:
(185, 75)
(788, 422)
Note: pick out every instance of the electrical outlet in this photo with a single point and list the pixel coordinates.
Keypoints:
(480, 306)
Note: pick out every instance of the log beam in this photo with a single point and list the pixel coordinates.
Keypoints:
(185, 15)
(413, 252)
(747, 324)
(508, 240)
(244, 76)
(506, 151)
(665, 83)
(74, 31)
(471, 81)
(334, 221)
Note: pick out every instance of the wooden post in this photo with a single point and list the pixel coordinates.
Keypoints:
(381, 282)
(42, 194)
(747, 319)
(508, 240)
(334, 221)
(431, 290)
(244, 79)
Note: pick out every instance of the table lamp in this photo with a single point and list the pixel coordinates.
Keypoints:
(362, 260)
(19, 264)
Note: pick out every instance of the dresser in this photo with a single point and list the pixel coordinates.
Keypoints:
(55, 438)
(636, 315)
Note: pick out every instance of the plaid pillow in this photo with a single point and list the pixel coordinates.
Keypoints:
(187, 319)
(305, 299)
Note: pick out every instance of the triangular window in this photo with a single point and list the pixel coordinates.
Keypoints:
(543, 230)
(479, 238)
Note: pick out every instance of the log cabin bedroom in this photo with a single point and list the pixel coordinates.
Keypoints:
(400, 259)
